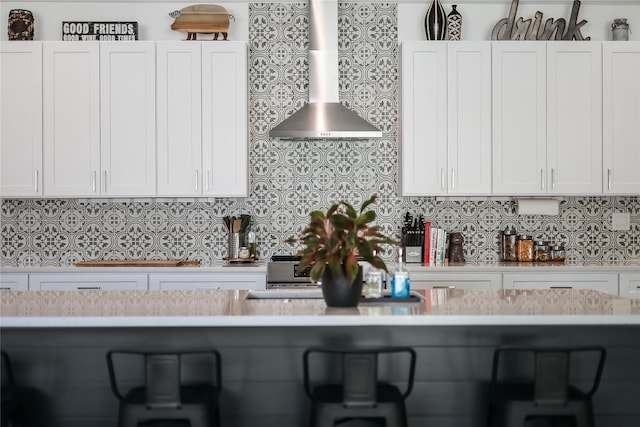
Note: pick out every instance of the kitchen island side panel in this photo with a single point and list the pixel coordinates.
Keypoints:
(262, 369)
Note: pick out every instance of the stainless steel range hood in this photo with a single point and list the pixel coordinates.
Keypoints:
(324, 116)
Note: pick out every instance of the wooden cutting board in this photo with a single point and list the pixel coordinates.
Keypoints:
(135, 263)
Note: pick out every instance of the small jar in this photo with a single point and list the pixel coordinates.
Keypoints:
(541, 251)
(558, 253)
(525, 248)
(244, 252)
(509, 245)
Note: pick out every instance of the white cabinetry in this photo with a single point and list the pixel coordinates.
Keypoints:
(202, 111)
(14, 281)
(603, 282)
(71, 118)
(547, 113)
(20, 119)
(427, 280)
(127, 124)
(630, 285)
(179, 110)
(224, 119)
(87, 281)
(99, 118)
(621, 117)
(445, 117)
(224, 281)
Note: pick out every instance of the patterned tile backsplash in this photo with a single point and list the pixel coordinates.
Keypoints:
(289, 179)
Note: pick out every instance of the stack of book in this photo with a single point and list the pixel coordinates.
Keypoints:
(435, 245)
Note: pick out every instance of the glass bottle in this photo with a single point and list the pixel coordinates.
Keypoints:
(400, 282)
(509, 248)
(373, 283)
(541, 251)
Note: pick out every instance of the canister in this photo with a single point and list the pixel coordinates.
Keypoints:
(558, 253)
(541, 251)
(509, 245)
(525, 248)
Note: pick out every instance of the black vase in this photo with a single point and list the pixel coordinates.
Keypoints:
(435, 22)
(454, 24)
(338, 291)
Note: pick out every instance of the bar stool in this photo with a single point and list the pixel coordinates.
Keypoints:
(164, 397)
(360, 394)
(10, 394)
(547, 392)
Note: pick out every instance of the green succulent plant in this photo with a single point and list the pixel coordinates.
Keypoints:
(337, 238)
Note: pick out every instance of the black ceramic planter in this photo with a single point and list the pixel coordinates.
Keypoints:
(339, 292)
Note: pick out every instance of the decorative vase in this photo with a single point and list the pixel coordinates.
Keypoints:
(20, 24)
(435, 22)
(338, 291)
(454, 24)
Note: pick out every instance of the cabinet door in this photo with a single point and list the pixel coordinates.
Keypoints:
(179, 111)
(621, 117)
(128, 137)
(630, 285)
(225, 281)
(21, 119)
(574, 117)
(469, 118)
(71, 118)
(519, 117)
(603, 282)
(224, 119)
(423, 116)
(14, 281)
(82, 281)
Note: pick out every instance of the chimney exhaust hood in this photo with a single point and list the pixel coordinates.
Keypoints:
(324, 116)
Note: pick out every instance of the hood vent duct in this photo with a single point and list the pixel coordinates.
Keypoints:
(324, 116)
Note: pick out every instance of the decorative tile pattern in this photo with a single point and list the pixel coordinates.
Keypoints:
(289, 179)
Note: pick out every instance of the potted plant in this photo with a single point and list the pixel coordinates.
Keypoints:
(333, 241)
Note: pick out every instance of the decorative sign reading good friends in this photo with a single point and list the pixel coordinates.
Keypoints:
(99, 31)
(523, 29)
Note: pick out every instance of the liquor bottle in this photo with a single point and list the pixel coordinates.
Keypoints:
(400, 283)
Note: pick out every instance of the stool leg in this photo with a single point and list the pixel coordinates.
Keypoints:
(322, 419)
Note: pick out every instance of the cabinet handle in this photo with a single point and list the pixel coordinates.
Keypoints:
(560, 287)
(542, 179)
(35, 186)
(553, 179)
(105, 181)
(445, 287)
(196, 176)
(91, 288)
(93, 182)
(608, 179)
(453, 179)
(442, 178)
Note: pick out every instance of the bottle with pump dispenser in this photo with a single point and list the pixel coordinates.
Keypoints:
(400, 282)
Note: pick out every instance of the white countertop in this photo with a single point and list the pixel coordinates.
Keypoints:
(210, 308)
(261, 267)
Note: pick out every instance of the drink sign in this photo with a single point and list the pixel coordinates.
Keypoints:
(99, 31)
(511, 28)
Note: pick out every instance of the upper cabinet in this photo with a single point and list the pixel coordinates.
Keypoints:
(202, 125)
(128, 118)
(621, 117)
(20, 119)
(71, 118)
(445, 135)
(547, 118)
(79, 119)
(99, 119)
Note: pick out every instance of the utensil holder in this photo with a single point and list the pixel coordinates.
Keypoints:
(236, 241)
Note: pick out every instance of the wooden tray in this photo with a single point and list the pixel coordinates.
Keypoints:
(137, 263)
(240, 260)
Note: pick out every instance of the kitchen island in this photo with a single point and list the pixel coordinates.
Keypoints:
(59, 339)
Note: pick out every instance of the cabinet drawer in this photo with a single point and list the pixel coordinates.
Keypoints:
(428, 280)
(14, 281)
(225, 281)
(68, 282)
(603, 282)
